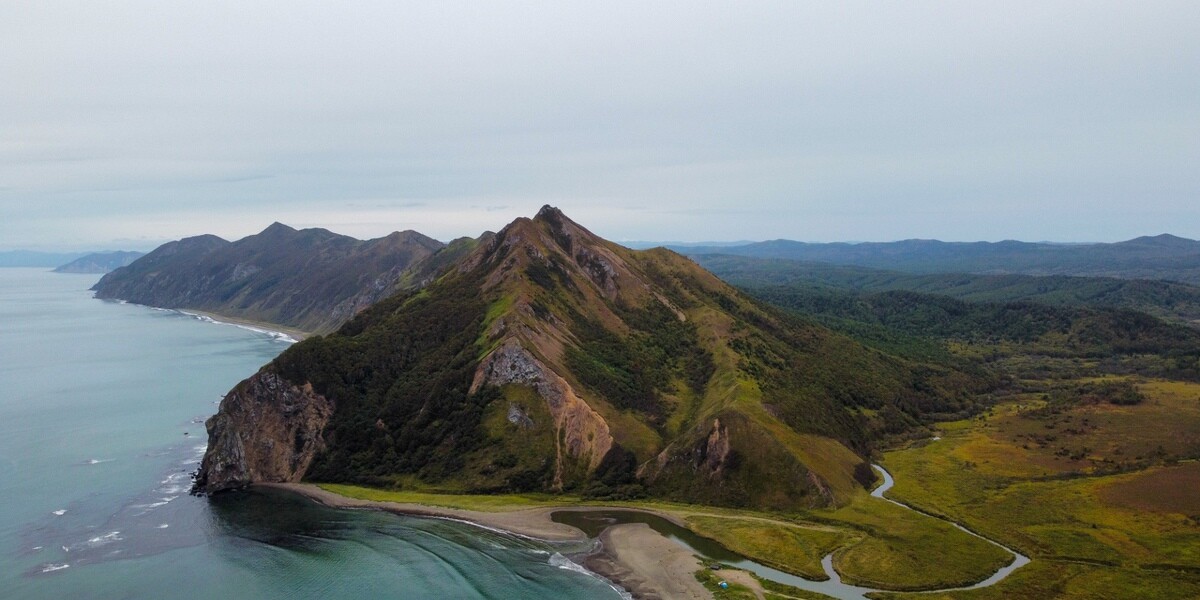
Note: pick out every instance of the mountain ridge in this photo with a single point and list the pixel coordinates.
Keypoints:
(1164, 256)
(308, 279)
(549, 359)
(100, 262)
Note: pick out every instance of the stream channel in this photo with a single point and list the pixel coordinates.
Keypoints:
(594, 522)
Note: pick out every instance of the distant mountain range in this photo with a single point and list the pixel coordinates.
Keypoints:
(1164, 257)
(1168, 300)
(310, 279)
(100, 262)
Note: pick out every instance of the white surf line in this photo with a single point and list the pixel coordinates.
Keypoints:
(1019, 560)
(275, 334)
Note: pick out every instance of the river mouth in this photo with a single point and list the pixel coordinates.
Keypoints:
(593, 522)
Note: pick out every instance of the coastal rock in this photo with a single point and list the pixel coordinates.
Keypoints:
(266, 430)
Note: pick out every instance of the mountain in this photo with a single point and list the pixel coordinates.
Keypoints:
(310, 279)
(1163, 257)
(31, 258)
(549, 359)
(1172, 301)
(99, 262)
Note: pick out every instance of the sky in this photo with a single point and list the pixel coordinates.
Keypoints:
(125, 124)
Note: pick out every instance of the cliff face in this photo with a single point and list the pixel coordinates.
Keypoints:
(266, 429)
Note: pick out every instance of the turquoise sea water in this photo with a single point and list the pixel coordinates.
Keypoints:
(101, 423)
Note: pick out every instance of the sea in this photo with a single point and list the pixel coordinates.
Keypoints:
(102, 409)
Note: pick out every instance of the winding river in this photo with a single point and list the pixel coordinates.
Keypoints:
(593, 522)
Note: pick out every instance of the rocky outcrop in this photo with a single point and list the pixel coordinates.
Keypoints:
(714, 453)
(266, 430)
(580, 431)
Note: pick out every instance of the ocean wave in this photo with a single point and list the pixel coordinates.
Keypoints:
(97, 461)
(562, 562)
(277, 336)
(95, 542)
(51, 567)
(58, 513)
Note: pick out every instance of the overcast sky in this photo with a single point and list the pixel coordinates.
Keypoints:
(127, 123)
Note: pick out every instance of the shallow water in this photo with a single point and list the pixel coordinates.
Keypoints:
(101, 422)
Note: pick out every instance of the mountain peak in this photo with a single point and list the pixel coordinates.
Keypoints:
(277, 228)
(1164, 240)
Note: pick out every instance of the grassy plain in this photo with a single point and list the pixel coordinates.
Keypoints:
(1103, 498)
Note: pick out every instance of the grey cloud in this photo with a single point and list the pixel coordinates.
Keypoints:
(655, 120)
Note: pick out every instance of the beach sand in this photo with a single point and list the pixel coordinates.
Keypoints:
(648, 565)
(633, 556)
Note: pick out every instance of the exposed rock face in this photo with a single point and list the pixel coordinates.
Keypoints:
(267, 430)
(715, 450)
(581, 432)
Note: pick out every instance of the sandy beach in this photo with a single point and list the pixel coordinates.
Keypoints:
(646, 564)
(633, 556)
(295, 334)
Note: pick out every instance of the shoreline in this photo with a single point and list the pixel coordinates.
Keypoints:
(632, 557)
(293, 334)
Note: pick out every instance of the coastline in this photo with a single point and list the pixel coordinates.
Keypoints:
(632, 556)
(527, 522)
(290, 333)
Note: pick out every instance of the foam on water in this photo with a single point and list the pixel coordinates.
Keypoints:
(558, 560)
(50, 568)
(277, 336)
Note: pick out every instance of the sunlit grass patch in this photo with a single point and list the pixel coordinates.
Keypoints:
(903, 549)
(792, 548)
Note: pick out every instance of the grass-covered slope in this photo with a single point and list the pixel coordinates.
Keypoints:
(312, 279)
(548, 359)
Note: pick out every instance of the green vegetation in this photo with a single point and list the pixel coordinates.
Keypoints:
(711, 580)
(907, 550)
(778, 591)
(479, 502)
(635, 370)
(400, 373)
(1163, 257)
(1084, 341)
(1168, 300)
(1100, 523)
(796, 548)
